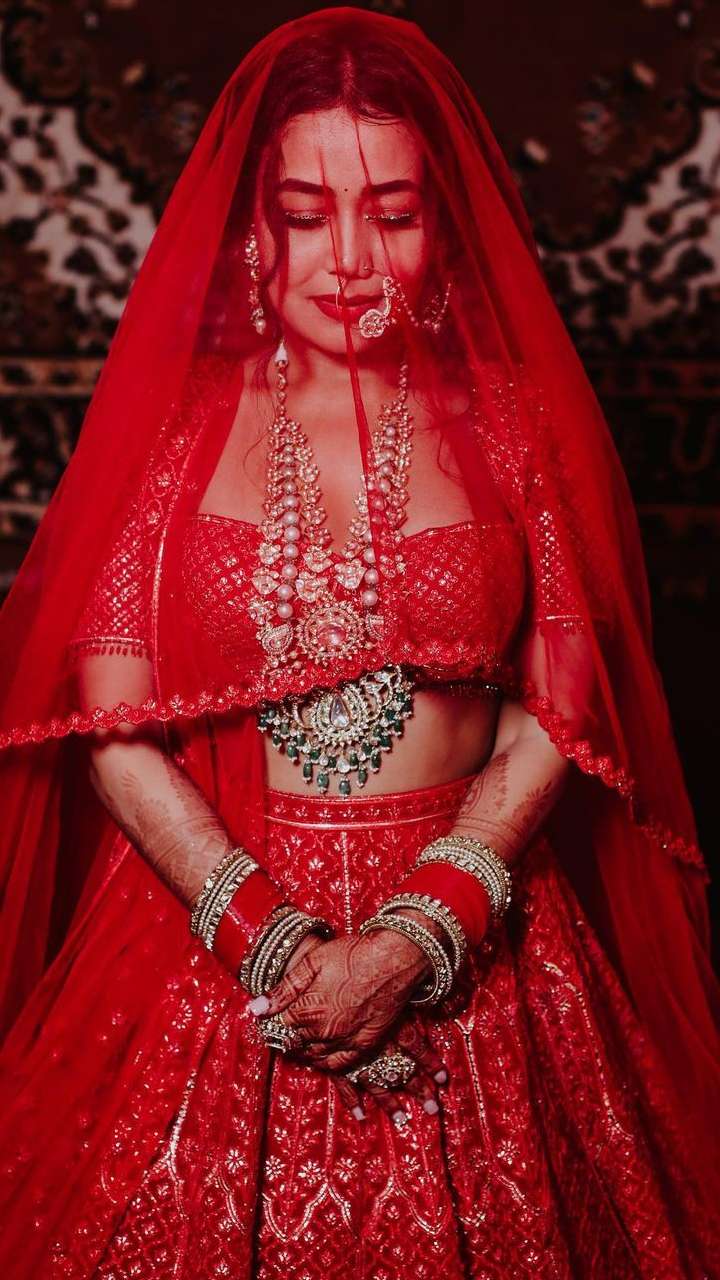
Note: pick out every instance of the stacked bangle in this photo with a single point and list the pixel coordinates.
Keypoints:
(440, 914)
(263, 964)
(245, 917)
(217, 891)
(458, 890)
(240, 915)
(442, 979)
(480, 860)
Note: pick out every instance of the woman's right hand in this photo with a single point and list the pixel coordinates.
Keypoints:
(409, 1037)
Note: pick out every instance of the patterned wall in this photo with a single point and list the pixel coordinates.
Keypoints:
(608, 113)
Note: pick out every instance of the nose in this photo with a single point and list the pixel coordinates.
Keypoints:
(353, 247)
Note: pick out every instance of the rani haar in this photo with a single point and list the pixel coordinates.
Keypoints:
(342, 730)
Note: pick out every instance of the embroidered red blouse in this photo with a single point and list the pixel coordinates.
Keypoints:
(460, 596)
(458, 602)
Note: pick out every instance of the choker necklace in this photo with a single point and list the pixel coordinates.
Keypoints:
(342, 730)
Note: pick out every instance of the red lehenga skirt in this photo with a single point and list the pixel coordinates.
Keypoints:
(177, 1146)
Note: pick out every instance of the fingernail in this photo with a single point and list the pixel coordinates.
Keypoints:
(441, 1076)
(431, 1106)
(358, 1113)
(399, 1118)
(260, 1004)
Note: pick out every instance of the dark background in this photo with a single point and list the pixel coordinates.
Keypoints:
(607, 111)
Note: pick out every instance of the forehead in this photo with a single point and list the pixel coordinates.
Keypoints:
(331, 146)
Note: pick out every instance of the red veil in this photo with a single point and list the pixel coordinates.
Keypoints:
(582, 662)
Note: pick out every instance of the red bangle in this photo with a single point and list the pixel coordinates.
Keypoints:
(244, 917)
(459, 890)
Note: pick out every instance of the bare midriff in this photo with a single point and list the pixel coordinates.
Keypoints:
(448, 736)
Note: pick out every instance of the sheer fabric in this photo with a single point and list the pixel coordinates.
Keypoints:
(214, 1159)
(112, 579)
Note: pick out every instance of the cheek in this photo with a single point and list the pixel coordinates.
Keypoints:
(409, 254)
(305, 256)
(306, 253)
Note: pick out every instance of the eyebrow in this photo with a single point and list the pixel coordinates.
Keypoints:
(375, 189)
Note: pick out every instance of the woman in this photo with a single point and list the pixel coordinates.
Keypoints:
(354, 921)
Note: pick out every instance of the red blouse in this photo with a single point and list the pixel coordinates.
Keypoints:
(459, 599)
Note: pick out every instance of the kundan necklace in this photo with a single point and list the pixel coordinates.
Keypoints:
(341, 730)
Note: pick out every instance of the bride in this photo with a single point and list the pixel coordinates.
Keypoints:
(354, 923)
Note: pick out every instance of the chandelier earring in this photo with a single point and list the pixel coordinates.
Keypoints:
(374, 322)
(252, 259)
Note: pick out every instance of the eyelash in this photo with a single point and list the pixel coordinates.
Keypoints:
(315, 219)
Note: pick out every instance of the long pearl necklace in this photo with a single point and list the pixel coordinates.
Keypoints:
(295, 560)
(343, 730)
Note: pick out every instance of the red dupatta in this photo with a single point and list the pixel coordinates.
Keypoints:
(153, 433)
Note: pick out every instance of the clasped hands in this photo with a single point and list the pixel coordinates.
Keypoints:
(347, 997)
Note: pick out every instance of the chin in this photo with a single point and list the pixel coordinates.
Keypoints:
(328, 337)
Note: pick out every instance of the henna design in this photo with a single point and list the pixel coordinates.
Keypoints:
(491, 784)
(357, 989)
(165, 815)
(506, 812)
(536, 806)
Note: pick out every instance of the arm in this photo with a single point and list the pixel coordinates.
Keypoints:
(164, 814)
(504, 807)
(518, 786)
(151, 798)
(158, 807)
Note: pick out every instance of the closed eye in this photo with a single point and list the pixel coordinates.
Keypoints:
(399, 219)
(317, 219)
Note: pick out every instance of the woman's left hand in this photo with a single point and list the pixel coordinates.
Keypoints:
(344, 995)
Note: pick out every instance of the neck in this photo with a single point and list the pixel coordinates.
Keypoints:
(310, 368)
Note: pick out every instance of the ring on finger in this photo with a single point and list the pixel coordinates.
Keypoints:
(387, 1071)
(277, 1034)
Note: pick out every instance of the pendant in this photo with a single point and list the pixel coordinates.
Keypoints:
(343, 730)
(267, 553)
(295, 608)
(264, 583)
(374, 626)
(330, 629)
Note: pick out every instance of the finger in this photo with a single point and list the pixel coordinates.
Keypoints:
(289, 988)
(313, 1053)
(391, 1102)
(420, 1085)
(423, 1087)
(316, 1051)
(339, 1053)
(413, 1039)
(337, 1059)
(349, 1096)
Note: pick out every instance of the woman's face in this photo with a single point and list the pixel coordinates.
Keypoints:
(367, 221)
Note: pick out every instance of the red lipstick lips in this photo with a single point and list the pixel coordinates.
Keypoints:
(354, 304)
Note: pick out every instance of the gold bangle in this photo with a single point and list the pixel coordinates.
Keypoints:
(480, 860)
(287, 925)
(439, 913)
(230, 870)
